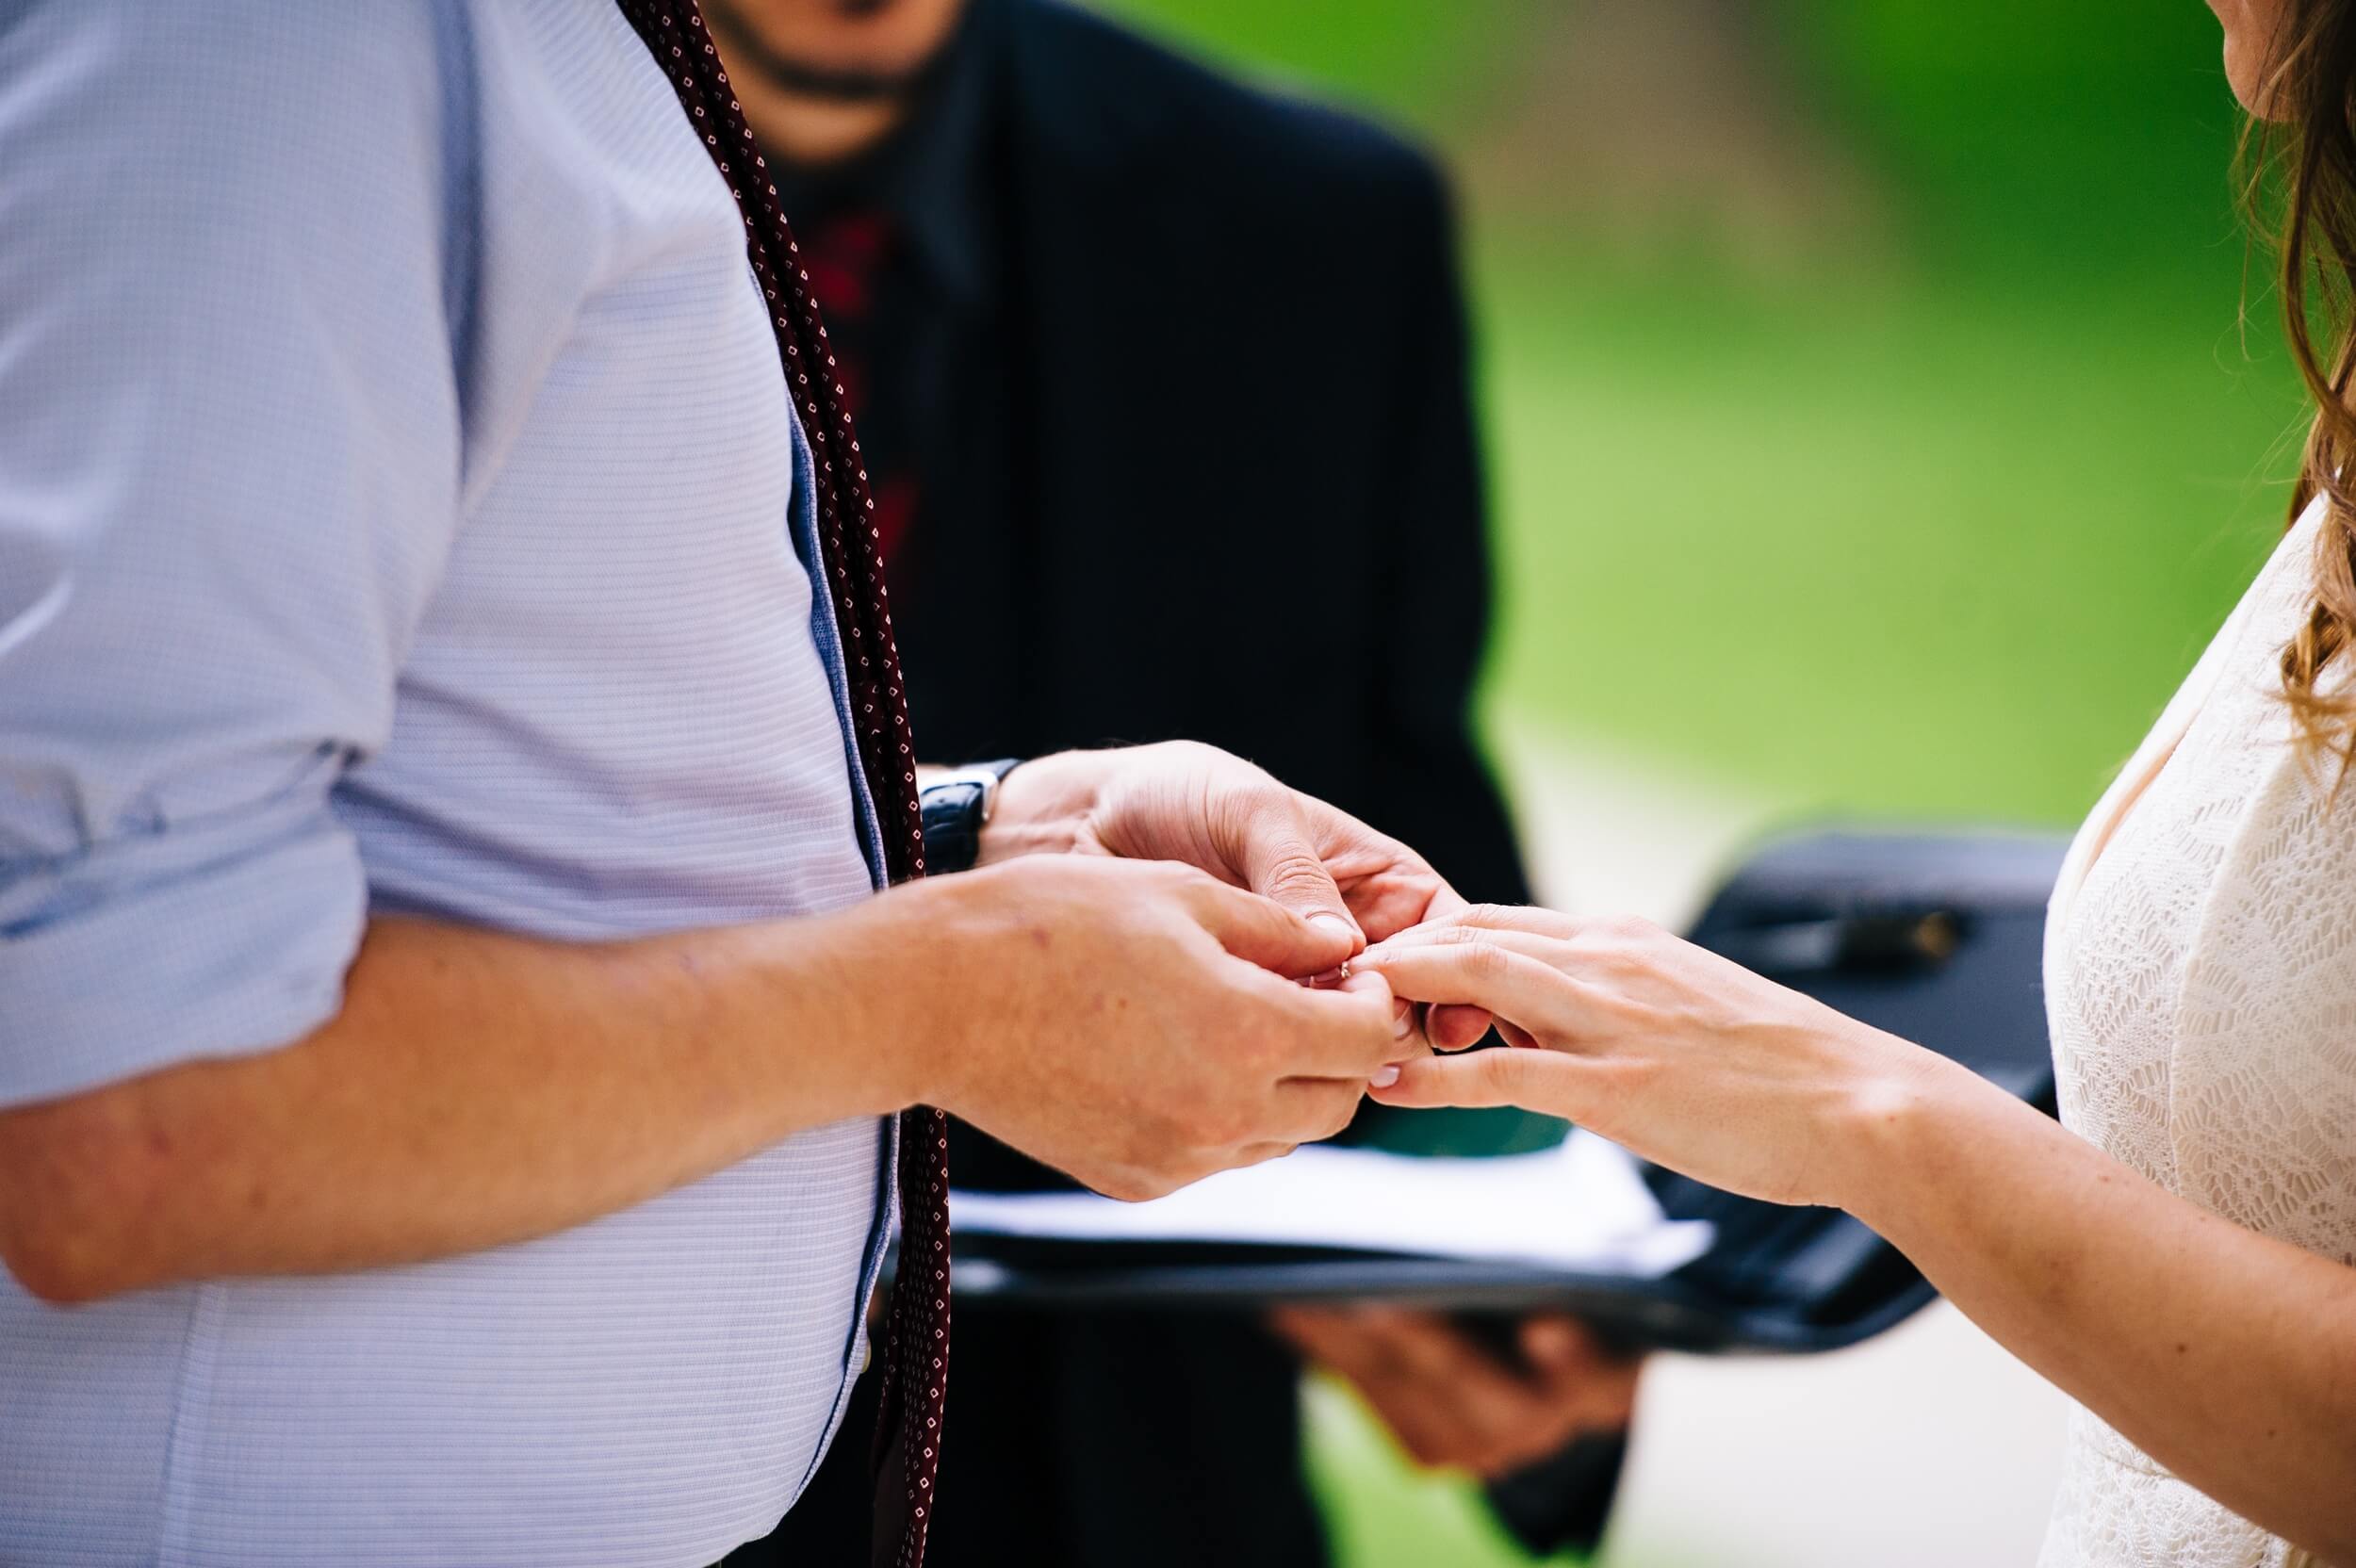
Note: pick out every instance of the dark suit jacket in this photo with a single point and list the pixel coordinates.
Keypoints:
(1216, 480)
(1245, 505)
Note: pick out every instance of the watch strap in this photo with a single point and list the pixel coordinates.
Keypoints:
(956, 809)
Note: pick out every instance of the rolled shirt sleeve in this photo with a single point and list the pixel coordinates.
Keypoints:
(229, 472)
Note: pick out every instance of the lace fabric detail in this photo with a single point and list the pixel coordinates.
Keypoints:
(2116, 1505)
(2201, 982)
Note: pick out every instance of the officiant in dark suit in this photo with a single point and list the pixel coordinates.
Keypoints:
(1162, 389)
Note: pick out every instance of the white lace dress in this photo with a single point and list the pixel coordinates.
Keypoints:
(2200, 978)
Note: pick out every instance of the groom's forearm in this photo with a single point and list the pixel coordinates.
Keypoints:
(478, 1088)
(475, 1088)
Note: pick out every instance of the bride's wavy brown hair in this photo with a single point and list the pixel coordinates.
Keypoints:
(2299, 180)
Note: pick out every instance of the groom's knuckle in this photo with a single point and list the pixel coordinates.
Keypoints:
(1296, 862)
(1297, 872)
(1254, 794)
(1250, 809)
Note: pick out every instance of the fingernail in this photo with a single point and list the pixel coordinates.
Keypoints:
(1384, 1076)
(1342, 926)
(1402, 1018)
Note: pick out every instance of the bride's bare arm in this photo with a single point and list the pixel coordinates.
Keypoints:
(2227, 1356)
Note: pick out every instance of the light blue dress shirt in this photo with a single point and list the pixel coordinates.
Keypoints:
(401, 510)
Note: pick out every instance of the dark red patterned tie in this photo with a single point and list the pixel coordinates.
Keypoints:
(845, 261)
(916, 1343)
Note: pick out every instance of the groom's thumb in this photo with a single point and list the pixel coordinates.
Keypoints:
(1280, 864)
(1264, 933)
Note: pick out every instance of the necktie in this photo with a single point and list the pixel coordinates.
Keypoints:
(916, 1342)
(847, 258)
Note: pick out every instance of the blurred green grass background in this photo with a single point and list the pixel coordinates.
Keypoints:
(1870, 413)
(1924, 514)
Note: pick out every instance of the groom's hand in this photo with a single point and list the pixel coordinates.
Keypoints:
(1127, 1021)
(1203, 807)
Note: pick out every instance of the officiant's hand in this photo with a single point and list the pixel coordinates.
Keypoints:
(1684, 1057)
(1455, 1404)
(1203, 807)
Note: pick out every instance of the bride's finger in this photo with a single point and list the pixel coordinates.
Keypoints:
(1500, 973)
(1566, 954)
(1528, 938)
(1545, 1080)
(1533, 918)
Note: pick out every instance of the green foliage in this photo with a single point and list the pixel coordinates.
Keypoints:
(1937, 56)
(1420, 60)
(1936, 551)
(1933, 533)
(2082, 134)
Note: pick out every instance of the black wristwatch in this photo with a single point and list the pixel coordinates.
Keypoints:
(954, 809)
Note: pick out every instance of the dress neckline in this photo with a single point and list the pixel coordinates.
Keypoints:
(2150, 760)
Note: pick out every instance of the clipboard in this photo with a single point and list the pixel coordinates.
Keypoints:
(1935, 936)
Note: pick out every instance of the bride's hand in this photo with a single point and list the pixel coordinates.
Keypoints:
(1686, 1059)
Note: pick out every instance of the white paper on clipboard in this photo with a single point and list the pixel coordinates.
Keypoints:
(1581, 1206)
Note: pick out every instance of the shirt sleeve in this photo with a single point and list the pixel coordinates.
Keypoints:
(229, 439)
